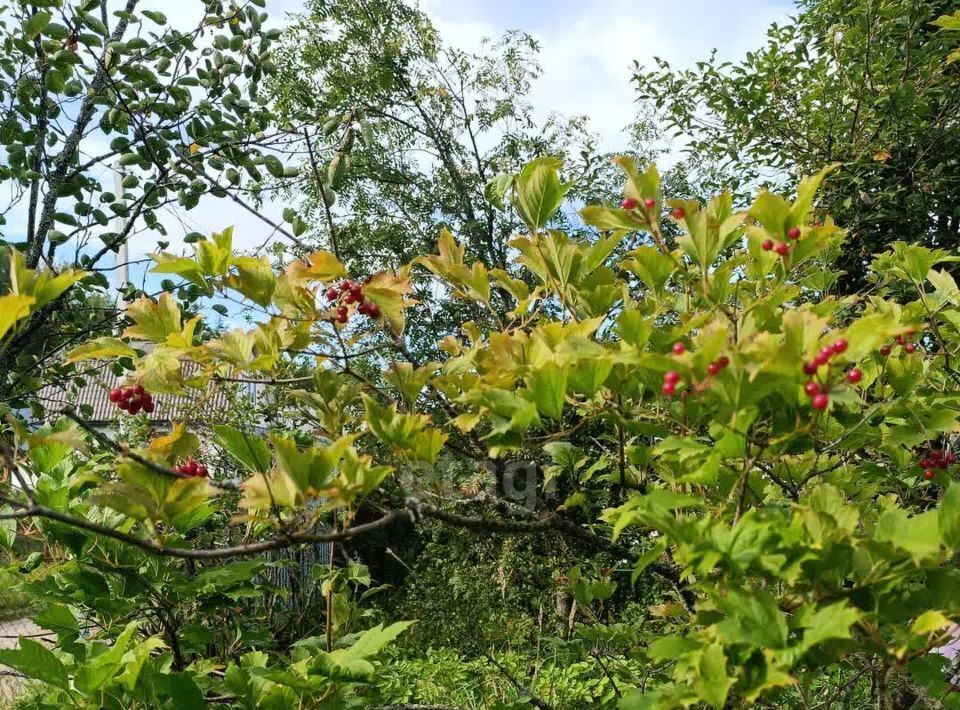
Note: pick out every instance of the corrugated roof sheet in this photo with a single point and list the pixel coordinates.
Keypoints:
(211, 404)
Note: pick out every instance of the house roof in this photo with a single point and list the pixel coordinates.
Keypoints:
(210, 404)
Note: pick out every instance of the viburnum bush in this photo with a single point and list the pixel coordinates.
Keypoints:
(775, 460)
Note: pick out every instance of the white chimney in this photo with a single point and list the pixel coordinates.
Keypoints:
(118, 226)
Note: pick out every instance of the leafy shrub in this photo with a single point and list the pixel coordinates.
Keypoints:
(779, 458)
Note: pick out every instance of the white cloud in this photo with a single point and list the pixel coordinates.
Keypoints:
(588, 49)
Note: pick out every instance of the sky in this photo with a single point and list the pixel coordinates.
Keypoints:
(587, 55)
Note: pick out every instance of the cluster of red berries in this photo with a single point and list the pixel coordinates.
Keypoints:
(351, 292)
(671, 378)
(649, 203)
(936, 458)
(132, 399)
(782, 248)
(901, 340)
(191, 467)
(819, 398)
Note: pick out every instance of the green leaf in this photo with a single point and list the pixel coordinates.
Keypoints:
(611, 219)
(58, 618)
(828, 623)
(247, 448)
(753, 618)
(373, 641)
(37, 22)
(949, 516)
(96, 672)
(274, 166)
(101, 349)
(652, 266)
(8, 529)
(547, 386)
(34, 660)
(219, 579)
(946, 286)
(919, 535)
(806, 190)
(496, 189)
(182, 689)
(538, 192)
(712, 683)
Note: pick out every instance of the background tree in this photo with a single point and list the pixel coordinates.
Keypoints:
(91, 88)
(420, 129)
(863, 84)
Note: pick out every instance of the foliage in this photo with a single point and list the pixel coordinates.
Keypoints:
(425, 137)
(89, 93)
(863, 84)
(660, 402)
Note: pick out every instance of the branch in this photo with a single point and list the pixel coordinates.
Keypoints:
(127, 452)
(534, 700)
(65, 157)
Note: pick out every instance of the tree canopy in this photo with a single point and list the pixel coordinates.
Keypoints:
(863, 84)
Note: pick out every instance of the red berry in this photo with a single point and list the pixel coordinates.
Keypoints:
(810, 368)
(951, 458)
(116, 394)
(929, 474)
(885, 350)
(782, 248)
(767, 245)
(671, 377)
(723, 361)
(854, 375)
(137, 390)
(822, 358)
(134, 406)
(820, 401)
(332, 294)
(901, 340)
(342, 318)
(713, 368)
(840, 346)
(649, 203)
(346, 285)
(148, 406)
(364, 307)
(811, 388)
(669, 389)
(910, 348)
(628, 203)
(678, 213)
(679, 348)
(374, 310)
(925, 463)
(201, 471)
(793, 232)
